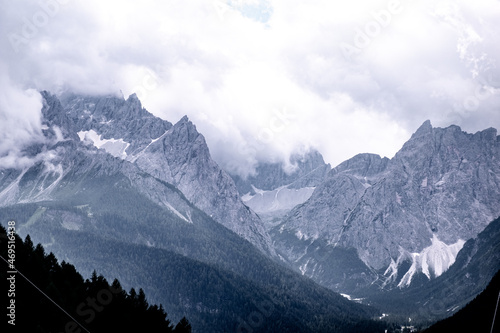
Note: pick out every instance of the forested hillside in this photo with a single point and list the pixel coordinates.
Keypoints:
(58, 299)
(477, 316)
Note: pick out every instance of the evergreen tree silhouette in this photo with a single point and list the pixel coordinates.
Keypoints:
(183, 326)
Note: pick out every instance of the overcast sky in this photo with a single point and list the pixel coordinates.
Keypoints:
(260, 78)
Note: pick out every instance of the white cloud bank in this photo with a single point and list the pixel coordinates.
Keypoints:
(264, 78)
(20, 123)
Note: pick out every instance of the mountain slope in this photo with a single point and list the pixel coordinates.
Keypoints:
(404, 216)
(215, 299)
(475, 266)
(477, 316)
(213, 295)
(115, 194)
(86, 189)
(175, 154)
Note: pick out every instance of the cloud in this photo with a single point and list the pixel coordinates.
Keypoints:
(20, 123)
(262, 79)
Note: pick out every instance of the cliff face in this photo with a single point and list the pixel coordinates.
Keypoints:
(417, 209)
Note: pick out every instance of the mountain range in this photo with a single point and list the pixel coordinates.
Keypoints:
(112, 187)
(88, 198)
(404, 217)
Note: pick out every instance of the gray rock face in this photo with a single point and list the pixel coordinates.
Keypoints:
(441, 189)
(362, 166)
(175, 154)
(181, 157)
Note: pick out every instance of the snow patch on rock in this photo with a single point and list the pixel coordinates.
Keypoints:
(433, 261)
(280, 199)
(115, 147)
(176, 212)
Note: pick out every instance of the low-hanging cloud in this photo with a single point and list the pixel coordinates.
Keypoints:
(20, 123)
(263, 79)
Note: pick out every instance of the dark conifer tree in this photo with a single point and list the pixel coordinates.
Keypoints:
(183, 326)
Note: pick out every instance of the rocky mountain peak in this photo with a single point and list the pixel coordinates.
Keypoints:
(489, 135)
(185, 119)
(54, 115)
(134, 99)
(311, 158)
(363, 165)
(423, 130)
(185, 132)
